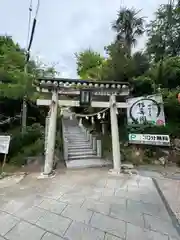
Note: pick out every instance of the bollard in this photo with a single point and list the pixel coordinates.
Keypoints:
(80, 122)
(90, 138)
(65, 150)
(82, 128)
(99, 148)
(94, 143)
(87, 134)
(84, 132)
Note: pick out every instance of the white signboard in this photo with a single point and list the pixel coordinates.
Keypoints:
(150, 139)
(4, 144)
(148, 109)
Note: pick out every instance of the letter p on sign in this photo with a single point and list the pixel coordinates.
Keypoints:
(132, 136)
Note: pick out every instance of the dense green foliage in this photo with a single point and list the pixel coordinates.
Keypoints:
(88, 62)
(26, 145)
(14, 85)
(157, 69)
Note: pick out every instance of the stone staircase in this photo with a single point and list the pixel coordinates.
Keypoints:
(78, 149)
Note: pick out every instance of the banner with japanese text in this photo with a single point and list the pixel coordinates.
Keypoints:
(147, 109)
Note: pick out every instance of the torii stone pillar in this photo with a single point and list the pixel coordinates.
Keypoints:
(51, 137)
(115, 135)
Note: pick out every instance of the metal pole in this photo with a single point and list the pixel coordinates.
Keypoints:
(115, 135)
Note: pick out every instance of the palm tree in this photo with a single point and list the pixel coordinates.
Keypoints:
(128, 27)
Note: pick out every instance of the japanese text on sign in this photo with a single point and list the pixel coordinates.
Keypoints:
(150, 139)
(146, 110)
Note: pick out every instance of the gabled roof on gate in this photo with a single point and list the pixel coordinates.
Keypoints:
(63, 83)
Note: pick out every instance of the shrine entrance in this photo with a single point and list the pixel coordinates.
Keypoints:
(82, 93)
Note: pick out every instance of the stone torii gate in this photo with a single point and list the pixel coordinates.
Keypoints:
(55, 88)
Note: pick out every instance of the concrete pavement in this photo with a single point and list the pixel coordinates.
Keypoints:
(170, 189)
(85, 204)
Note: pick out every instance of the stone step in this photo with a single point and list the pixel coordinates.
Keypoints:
(84, 150)
(77, 142)
(79, 146)
(77, 139)
(70, 158)
(88, 163)
(72, 127)
(74, 130)
(73, 133)
(90, 152)
(83, 144)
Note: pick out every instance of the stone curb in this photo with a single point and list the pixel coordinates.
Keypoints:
(172, 215)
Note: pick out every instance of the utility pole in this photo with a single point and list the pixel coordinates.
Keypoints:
(24, 106)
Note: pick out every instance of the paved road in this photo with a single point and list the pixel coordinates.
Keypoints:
(84, 205)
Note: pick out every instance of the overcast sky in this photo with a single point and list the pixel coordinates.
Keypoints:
(67, 26)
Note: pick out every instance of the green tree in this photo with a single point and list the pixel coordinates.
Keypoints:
(89, 64)
(153, 71)
(128, 26)
(15, 84)
(118, 67)
(141, 63)
(164, 32)
(169, 77)
(142, 85)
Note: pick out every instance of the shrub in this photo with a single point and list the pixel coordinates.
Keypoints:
(19, 141)
(29, 151)
(18, 160)
(29, 144)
